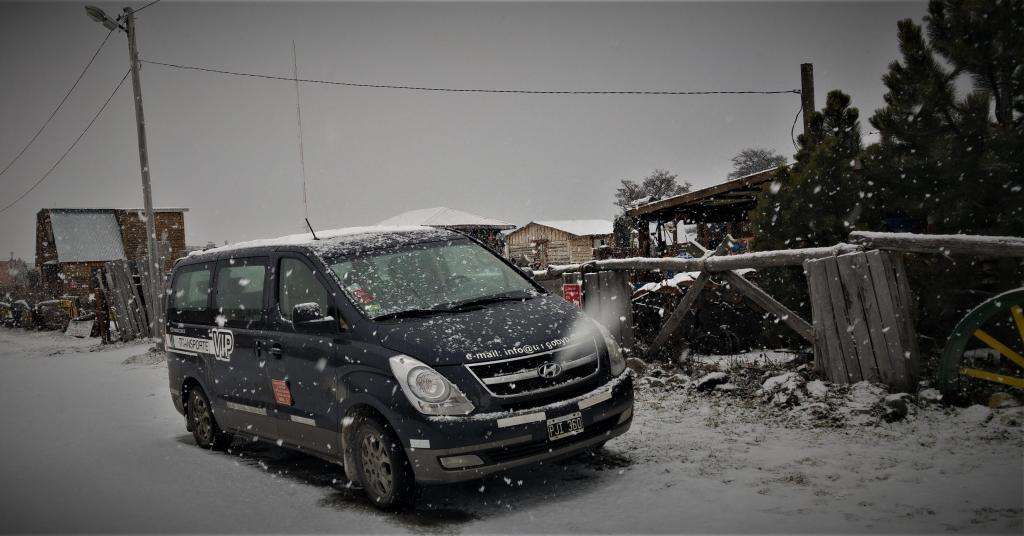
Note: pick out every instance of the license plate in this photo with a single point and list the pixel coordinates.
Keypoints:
(565, 426)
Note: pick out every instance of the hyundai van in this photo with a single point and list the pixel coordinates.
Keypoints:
(409, 355)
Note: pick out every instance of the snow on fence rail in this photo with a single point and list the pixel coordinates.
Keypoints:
(982, 246)
(759, 259)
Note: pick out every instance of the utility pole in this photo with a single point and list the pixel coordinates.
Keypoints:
(154, 268)
(807, 94)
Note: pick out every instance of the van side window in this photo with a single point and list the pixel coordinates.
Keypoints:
(239, 298)
(298, 284)
(190, 296)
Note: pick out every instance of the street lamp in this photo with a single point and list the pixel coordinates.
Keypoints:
(101, 17)
(153, 267)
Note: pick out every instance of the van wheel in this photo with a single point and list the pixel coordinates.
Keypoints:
(381, 464)
(202, 424)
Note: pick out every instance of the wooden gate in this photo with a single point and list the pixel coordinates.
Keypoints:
(861, 305)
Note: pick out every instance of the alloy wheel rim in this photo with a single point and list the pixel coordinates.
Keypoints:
(376, 465)
(201, 418)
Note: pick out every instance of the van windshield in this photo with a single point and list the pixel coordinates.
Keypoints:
(427, 279)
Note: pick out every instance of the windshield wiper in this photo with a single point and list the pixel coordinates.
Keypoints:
(456, 306)
(409, 313)
(484, 300)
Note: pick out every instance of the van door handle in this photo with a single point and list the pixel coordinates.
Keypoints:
(275, 350)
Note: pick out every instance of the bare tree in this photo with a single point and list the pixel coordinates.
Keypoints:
(658, 185)
(754, 159)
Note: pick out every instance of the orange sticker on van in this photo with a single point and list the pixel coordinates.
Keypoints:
(282, 394)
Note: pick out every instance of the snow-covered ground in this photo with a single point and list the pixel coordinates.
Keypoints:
(92, 444)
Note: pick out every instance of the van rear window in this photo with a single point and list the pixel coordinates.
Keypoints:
(239, 298)
(190, 295)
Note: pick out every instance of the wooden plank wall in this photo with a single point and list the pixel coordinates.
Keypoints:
(862, 319)
(562, 247)
(127, 301)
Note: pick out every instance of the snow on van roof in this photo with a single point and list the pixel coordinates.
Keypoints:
(326, 237)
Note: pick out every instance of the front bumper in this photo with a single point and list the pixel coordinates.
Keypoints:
(520, 438)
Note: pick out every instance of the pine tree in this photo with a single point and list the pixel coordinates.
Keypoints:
(941, 162)
(817, 201)
(951, 163)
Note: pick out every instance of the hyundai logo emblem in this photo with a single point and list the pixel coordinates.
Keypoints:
(549, 370)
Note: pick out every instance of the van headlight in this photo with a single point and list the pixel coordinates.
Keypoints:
(427, 390)
(616, 362)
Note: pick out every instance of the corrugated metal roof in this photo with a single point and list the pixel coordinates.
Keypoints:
(86, 236)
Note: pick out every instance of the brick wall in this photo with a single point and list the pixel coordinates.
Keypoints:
(46, 248)
(170, 229)
(75, 277)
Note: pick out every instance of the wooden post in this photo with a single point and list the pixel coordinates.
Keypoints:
(765, 301)
(807, 94)
(643, 238)
(101, 305)
(152, 270)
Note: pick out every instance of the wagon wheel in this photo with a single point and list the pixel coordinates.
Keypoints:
(987, 344)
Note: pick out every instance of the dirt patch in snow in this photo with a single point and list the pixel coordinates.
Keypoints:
(150, 357)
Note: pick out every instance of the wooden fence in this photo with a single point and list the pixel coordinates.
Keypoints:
(127, 297)
(860, 297)
(863, 326)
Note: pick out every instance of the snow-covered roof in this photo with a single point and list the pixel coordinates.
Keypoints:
(324, 237)
(445, 217)
(86, 236)
(579, 227)
(744, 184)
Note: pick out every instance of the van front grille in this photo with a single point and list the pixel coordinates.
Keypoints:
(522, 376)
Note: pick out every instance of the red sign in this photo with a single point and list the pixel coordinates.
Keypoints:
(282, 394)
(573, 293)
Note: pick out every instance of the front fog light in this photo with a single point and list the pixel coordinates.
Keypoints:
(616, 362)
(428, 390)
(460, 462)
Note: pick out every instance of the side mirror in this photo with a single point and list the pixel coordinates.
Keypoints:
(304, 313)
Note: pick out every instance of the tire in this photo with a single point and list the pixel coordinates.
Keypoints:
(202, 424)
(381, 465)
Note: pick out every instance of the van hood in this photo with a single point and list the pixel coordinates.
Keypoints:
(496, 331)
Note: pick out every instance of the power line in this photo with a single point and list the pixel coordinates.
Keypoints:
(793, 128)
(70, 148)
(466, 90)
(59, 104)
(145, 6)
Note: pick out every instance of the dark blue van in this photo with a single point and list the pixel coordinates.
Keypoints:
(410, 355)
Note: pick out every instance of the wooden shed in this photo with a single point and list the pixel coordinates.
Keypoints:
(73, 243)
(540, 243)
(717, 211)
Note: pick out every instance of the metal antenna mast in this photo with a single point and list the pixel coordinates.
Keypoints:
(302, 152)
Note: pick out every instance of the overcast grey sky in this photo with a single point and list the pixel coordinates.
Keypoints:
(227, 148)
